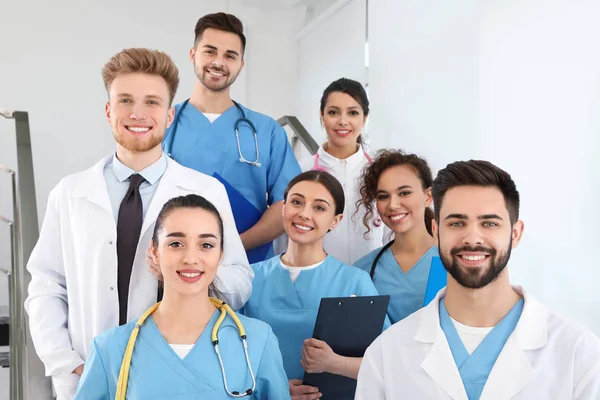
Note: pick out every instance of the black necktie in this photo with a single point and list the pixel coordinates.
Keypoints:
(129, 226)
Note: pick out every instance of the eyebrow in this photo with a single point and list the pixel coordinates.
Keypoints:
(182, 235)
(349, 108)
(481, 217)
(150, 96)
(398, 188)
(208, 46)
(301, 195)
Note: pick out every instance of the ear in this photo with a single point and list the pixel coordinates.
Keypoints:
(192, 54)
(435, 229)
(107, 111)
(336, 220)
(154, 252)
(517, 233)
(221, 258)
(170, 116)
(428, 197)
(242, 67)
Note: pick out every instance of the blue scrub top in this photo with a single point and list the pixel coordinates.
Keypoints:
(157, 372)
(406, 290)
(212, 149)
(291, 308)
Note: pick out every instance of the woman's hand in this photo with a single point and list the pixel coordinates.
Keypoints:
(298, 391)
(318, 357)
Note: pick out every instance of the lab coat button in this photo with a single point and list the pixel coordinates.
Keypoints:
(112, 288)
(110, 242)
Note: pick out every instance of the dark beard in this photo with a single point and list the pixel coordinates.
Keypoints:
(472, 278)
(228, 82)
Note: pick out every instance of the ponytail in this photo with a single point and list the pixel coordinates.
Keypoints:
(429, 220)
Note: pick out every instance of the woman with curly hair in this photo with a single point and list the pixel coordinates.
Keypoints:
(397, 186)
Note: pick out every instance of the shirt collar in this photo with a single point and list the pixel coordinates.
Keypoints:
(151, 173)
(353, 160)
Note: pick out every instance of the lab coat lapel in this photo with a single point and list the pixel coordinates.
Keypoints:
(511, 373)
(439, 363)
(165, 191)
(512, 370)
(92, 186)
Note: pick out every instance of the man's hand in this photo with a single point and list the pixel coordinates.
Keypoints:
(298, 391)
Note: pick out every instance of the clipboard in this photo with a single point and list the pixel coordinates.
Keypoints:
(245, 216)
(349, 325)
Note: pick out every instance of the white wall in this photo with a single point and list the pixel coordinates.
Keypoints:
(331, 47)
(51, 68)
(516, 82)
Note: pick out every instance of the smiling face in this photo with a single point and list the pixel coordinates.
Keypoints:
(309, 212)
(343, 119)
(475, 236)
(138, 111)
(401, 199)
(188, 250)
(217, 59)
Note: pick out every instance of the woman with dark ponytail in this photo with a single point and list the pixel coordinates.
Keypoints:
(344, 110)
(397, 187)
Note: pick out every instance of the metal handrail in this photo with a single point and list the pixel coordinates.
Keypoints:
(6, 113)
(27, 381)
(15, 314)
(300, 133)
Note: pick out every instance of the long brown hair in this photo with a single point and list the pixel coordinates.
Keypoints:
(385, 159)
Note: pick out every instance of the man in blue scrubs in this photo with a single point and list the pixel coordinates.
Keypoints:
(480, 338)
(254, 166)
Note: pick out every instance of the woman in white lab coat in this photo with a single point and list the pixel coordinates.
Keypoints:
(344, 111)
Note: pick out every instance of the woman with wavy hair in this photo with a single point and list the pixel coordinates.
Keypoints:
(397, 186)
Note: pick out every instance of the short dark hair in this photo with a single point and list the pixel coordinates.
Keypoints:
(352, 88)
(333, 186)
(476, 173)
(220, 21)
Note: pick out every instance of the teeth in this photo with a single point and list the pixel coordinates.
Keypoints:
(398, 217)
(190, 274)
(343, 132)
(303, 228)
(215, 73)
(473, 258)
(138, 129)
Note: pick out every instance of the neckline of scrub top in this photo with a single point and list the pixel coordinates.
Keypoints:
(307, 267)
(353, 160)
(389, 251)
(152, 173)
(197, 113)
(212, 117)
(205, 335)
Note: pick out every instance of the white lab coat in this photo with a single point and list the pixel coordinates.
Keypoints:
(546, 357)
(73, 292)
(346, 242)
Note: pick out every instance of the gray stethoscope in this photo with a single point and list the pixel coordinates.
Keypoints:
(256, 163)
